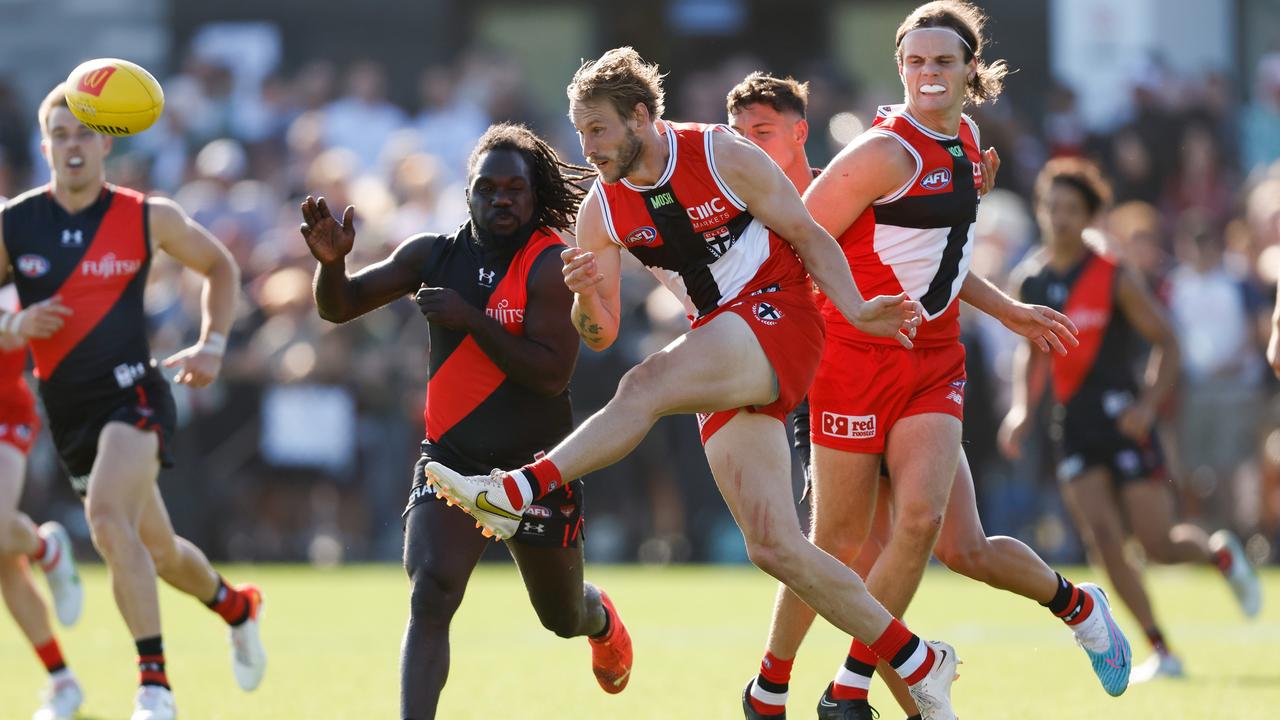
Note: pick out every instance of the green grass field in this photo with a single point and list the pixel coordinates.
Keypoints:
(333, 638)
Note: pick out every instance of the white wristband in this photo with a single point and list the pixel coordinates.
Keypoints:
(215, 344)
(10, 323)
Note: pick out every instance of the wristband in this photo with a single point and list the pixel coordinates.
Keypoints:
(215, 344)
(10, 322)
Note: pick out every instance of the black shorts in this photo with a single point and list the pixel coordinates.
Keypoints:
(1127, 460)
(76, 418)
(555, 520)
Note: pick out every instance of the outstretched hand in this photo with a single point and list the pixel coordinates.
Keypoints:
(895, 316)
(328, 239)
(1049, 329)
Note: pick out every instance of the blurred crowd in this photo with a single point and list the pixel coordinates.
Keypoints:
(304, 449)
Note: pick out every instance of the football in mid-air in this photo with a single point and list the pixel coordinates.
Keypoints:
(114, 97)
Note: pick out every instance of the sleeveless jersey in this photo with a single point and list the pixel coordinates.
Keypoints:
(97, 261)
(473, 410)
(692, 232)
(919, 238)
(1098, 374)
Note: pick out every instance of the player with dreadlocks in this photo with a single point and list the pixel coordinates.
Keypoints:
(502, 347)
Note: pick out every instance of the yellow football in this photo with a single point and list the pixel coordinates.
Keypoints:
(114, 97)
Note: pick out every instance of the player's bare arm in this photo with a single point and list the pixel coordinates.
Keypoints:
(772, 198)
(593, 272)
(37, 322)
(191, 244)
(1143, 311)
(341, 297)
(1029, 370)
(1048, 329)
(1273, 344)
(543, 358)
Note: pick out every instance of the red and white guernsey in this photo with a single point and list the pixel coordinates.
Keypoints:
(919, 238)
(16, 403)
(692, 232)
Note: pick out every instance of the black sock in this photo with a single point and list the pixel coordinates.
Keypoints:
(151, 662)
(1067, 602)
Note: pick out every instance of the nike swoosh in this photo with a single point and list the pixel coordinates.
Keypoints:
(482, 503)
(823, 702)
(622, 678)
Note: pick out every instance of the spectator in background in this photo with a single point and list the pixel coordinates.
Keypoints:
(361, 120)
(1212, 311)
(448, 121)
(1261, 122)
(15, 136)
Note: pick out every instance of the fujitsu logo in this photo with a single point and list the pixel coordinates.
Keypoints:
(505, 314)
(109, 266)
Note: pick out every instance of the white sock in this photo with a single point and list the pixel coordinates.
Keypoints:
(525, 485)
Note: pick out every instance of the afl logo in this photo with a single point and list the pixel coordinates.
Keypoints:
(33, 266)
(642, 236)
(936, 180)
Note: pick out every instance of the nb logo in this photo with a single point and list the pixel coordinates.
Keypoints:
(487, 276)
(72, 237)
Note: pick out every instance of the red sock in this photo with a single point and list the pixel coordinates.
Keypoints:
(51, 655)
(905, 651)
(543, 477)
(769, 690)
(853, 680)
(38, 555)
(229, 603)
(1222, 560)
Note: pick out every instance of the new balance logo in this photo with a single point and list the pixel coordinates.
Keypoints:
(854, 427)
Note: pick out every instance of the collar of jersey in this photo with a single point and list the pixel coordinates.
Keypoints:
(671, 163)
(920, 126)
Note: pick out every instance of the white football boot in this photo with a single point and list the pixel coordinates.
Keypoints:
(59, 566)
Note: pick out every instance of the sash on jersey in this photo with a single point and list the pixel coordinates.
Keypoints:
(1089, 305)
(468, 376)
(99, 278)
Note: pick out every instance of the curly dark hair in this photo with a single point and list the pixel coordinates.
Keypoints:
(1078, 174)
(557, 185)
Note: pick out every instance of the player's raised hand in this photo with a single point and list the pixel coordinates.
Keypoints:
(328, 239)
(580, 271)
(1012, 431)
(1049, 329)
(895, 316)
(38, 321)
(990, 166)
(197, 366)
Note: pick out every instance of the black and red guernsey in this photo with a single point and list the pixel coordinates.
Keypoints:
(1100, 371)
(473, 409)
(97, 261)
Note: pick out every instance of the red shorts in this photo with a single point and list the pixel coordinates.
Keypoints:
(790, 330)
(863, 389)
(18, 420)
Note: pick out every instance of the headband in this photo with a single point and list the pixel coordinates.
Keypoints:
(940, 27)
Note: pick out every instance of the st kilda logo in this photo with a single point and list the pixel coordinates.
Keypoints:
(767, 313)
(93, 82)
